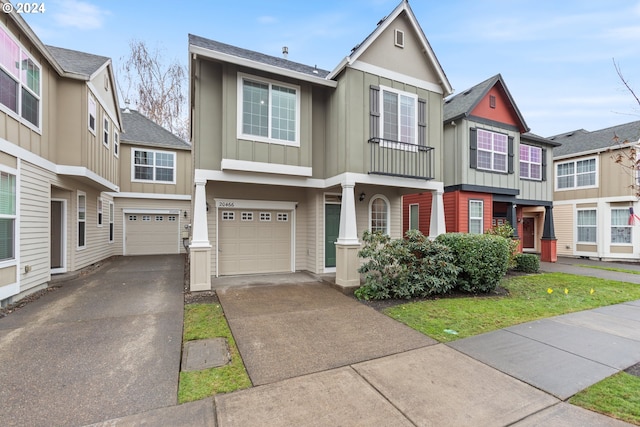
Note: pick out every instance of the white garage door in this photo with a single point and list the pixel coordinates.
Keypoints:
(151, 234)
(254, 241)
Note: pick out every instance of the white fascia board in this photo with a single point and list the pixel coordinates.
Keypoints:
(81, 171)
(354, 178)
(151, 211)
(615, 199)
(254, 204)
(260, 66)
(113, 115)
(156, 196)
(393, 75)
(595, 151)
(247, 166)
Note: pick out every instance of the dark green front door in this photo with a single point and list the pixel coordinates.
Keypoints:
(331, 230)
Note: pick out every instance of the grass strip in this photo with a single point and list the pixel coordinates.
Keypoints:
(202, 321)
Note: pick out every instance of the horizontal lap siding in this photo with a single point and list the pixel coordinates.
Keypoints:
(563, 226)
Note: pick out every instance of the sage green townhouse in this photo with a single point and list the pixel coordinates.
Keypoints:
(293, 163)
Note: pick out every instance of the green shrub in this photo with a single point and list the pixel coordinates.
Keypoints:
(528, 263)
(506, 230)
(405, 268)
(483, 259)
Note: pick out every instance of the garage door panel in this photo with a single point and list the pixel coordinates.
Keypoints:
(259, 245)
(151, 234)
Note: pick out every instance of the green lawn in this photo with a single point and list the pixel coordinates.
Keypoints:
(207, 321)
(617, 396)
(448, 319)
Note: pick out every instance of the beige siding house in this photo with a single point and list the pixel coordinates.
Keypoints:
(59, 118)
(293, 163)
(594, 197)
(152, 209)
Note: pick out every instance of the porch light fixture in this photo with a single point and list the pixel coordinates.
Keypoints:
(362, 196)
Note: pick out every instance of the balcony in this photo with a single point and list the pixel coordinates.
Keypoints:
(395, 158)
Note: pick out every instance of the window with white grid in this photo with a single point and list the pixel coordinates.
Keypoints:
(492, 151)
(379, 215)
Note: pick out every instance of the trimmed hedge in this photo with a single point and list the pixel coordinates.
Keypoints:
(483, 258)
(528, 263)
(405, 268)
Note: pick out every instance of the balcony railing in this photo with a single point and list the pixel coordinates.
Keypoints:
(395, 158)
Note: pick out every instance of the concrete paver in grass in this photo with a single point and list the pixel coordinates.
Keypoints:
(567, 415)
(611, 350)
(555, 371)
(331, 398)
(440, 386)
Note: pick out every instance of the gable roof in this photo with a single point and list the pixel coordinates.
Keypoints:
(81, 63)
(384, 23)
(249, 58)
(581, 141)
(462, 104)
(140, 130)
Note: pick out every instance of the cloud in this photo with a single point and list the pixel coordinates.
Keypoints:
(79, 15)
(267, 20)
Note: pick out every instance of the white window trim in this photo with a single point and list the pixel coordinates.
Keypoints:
(575, 174)
(577, 226)
(493, 152)
(106, 131)
(9, 111)
(481, 218)
(112, 214)
(415, 116)
(529, 162)
(240, 131)
(78, 220)
(95, 114)
(116, 143)
(133, 166)
(418, 224)
(99, 212)
(16, 221)
(383, 197)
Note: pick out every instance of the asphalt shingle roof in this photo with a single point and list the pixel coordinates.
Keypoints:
(461, 104)
(73, 61)
(256, 56)
(140, 130)
(580, 140)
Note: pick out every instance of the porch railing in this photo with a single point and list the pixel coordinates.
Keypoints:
(395, 158)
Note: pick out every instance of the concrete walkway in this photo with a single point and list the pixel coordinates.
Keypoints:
(104, 345)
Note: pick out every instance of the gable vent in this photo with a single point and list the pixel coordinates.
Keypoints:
(399, 38)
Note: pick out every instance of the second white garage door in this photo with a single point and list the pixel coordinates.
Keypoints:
(254, 241)
(151, 234)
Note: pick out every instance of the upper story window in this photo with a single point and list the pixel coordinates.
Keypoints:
(20, 82)
(399, 118)
(576, 174)
(105, 129)
(492, 151)
(116, 143)
(530, 162)
(155, 166)
(269, 111)
(92, 114)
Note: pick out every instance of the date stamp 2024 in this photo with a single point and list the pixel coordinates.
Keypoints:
(21, 8)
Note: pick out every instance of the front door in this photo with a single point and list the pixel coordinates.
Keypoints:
(57, 236)
(331, 230)
(528, 233)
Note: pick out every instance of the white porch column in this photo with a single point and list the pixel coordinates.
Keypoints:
(437, 225)
(347, 245)
(348, 234)
(200, 248)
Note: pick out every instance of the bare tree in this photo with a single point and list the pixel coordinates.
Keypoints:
(156, 88)
(623, 151)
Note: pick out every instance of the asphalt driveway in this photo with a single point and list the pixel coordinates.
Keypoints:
(103, 346)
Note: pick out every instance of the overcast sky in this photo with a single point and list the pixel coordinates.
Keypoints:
(556, 57)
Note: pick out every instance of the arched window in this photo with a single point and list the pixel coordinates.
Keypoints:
(379, 214)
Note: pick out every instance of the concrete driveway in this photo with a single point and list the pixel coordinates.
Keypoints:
(102, 346)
